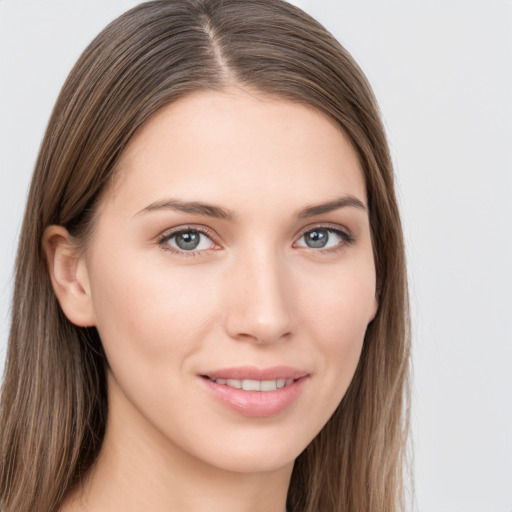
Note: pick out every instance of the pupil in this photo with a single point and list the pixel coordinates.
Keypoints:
(317, 239)
(187, 240)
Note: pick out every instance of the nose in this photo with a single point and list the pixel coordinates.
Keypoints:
(260, 297)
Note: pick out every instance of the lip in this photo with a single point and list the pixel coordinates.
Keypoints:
(256, 404)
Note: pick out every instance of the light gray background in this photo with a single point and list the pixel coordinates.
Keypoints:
(442, 72)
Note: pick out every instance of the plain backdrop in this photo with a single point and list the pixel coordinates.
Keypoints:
(442, 72)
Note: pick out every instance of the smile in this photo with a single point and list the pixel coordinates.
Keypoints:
(256, 392)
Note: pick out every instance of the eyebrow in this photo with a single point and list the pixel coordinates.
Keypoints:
(219, 212)
(194, 207)
(342, 202)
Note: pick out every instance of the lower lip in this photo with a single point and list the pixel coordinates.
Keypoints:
(256, 404)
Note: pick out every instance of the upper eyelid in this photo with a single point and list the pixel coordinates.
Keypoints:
(209, 232)
(323, 225)
(169, 233)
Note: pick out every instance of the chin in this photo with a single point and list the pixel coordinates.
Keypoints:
(255, 460)
(255, 449)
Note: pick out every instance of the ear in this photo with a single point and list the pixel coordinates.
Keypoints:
(69, 276)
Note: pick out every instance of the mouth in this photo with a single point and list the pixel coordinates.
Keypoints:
(255, 392)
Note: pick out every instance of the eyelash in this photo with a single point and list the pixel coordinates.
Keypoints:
(345, 236)
(346, 239)
(162, 241)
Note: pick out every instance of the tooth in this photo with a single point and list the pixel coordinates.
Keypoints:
(251, 385)
(255, 385)
(268, 385)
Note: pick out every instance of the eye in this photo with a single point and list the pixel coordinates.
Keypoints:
(187, 240)
(324, 238)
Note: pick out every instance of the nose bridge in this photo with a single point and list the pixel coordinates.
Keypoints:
(260, 302)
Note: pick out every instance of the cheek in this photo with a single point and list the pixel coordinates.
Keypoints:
(337, 316)
(142, 311)
(339, 305)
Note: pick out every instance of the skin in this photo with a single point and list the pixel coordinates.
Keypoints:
(253, 293)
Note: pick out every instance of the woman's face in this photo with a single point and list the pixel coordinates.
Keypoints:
(233, 249)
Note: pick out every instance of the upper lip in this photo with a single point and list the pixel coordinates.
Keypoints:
(255, 373)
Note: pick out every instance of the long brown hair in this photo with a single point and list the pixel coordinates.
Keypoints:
(53, 404)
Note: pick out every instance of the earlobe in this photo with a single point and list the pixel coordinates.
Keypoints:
(69, 276)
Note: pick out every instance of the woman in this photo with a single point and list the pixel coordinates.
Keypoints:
(210, 307)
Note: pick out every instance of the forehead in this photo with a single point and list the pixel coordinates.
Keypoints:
(241, 147)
